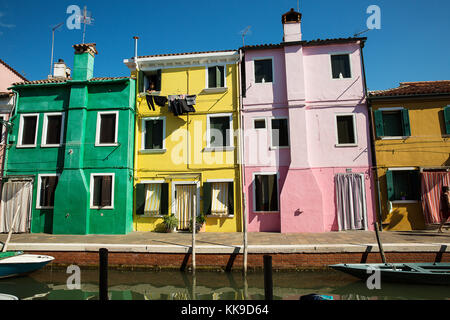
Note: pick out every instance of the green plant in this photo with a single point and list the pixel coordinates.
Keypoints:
(199, 222)
(170, 222)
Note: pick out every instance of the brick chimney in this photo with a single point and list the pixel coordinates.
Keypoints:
(83, 66)
(291, 26)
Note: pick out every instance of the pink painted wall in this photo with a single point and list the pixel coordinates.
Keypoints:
(304, 92)
(7, 77)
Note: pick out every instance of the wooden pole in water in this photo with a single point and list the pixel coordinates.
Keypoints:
(380, 246)
(268, 283)
(103, 281)
(244, 217)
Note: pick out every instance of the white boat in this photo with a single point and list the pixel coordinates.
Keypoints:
(4, 296)
(17, 263)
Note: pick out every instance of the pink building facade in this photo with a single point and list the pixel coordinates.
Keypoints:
(306, 146)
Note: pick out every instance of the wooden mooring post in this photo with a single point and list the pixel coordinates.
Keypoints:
(268, 282)
(380, 246)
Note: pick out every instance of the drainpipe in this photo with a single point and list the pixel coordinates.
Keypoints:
(372, 140)
(241, 159)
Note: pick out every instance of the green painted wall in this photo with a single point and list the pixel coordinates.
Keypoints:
(78, 157)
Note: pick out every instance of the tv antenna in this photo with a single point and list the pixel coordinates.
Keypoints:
(53, 43)
(86, 19)
(244, 33)
(359, 33)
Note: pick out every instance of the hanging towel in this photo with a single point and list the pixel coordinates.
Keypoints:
(150, 102)
(191, 100)
(160, 100)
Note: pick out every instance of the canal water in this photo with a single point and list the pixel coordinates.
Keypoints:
(51, 284)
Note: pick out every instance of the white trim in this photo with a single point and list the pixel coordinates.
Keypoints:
(273, 69)
(143, 132)
(19, 142)
(45, 127)
(355, 130)
(174, 200)
(208, 132)
(150, 181)
(214, 89)
(219, 180)
(349, 63)
(403, 169)
(271, 146)
(91, 190)
(38, 192)
(264, 173)
(260, 118)
(97, 129)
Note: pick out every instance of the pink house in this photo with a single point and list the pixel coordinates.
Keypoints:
(307, 152)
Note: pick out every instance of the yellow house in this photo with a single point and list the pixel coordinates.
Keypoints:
(411, 125)
(186, 145)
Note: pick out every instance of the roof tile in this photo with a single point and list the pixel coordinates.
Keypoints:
(414, 88)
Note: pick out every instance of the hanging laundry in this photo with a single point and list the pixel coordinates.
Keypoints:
(180, 104)
(150, 102)
(191, 100)
(158, 100)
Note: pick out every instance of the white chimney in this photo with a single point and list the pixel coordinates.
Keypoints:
(291, 26)
(60, 70)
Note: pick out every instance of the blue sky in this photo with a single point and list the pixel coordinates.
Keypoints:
(412, 44)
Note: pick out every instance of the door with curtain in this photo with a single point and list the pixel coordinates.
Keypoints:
(15, 193)
(186, 204)
(431, 189)
(351, 201)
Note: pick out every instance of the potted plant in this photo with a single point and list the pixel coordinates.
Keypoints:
(199, 225)
(170, 222)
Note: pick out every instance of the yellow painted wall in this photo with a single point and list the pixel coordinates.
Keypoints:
(428, 146)
(185, 156)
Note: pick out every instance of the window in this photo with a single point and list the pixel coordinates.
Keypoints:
(280, 132)
(403, 185)
(28, 130)
(218, 198)
(259, 123)
(447, 119)
(216, 77)
(52, 130)
(153, 133)
(220, 131)
(340, 66)
(102, 191)
(346, 133)
(265, 192)
(263, 71)
(149, 81)
(107, 128)
(392, 122)
(46, 191)
(152, 199)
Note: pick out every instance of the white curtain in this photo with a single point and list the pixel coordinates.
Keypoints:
(350, 201)
(186, 207)
(16, 193)
(219, 204)
(153, 199)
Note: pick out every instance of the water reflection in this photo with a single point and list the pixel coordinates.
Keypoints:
(50, 284)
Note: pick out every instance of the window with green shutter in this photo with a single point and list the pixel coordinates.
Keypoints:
(147, 199)
(447, 119)
(220, 131)
(216, 77)
(392, 123)
(403, 185)
(154, 133)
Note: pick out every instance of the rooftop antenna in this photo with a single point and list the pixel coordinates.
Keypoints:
(298, 6)
(243, 33)
(86, 19)
(53, 43)
(359, 33)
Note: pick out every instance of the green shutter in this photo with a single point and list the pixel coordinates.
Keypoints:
(158, 82)
(230, 198)
(406, 126)
(157, 130)
(140, 198)
(447, 119)
(164, 204)
(415, 184)
(206, 198)
(141, 77)
(378, 118)
(390, 185)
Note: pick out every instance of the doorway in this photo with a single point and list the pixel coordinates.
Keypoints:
(186, 203)
(351, 201)
(15, 193)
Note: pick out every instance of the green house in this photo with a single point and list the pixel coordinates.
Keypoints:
(69, 167)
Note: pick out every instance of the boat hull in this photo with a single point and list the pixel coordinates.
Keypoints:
(425, 273)
(22, 264)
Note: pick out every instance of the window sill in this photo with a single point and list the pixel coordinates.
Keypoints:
(102, 208)
(348, 145)
(219, 149)
(276, 148)
(404, 201)
(107, 145)
(395, 138)
(51, 145)
(45, 208)
(215, 90)
(219, 217)
(25, 146)
(149, 216)
(152, 151)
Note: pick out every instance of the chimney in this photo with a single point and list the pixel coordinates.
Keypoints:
(61, 70)
(291, 26)
(83, 66)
